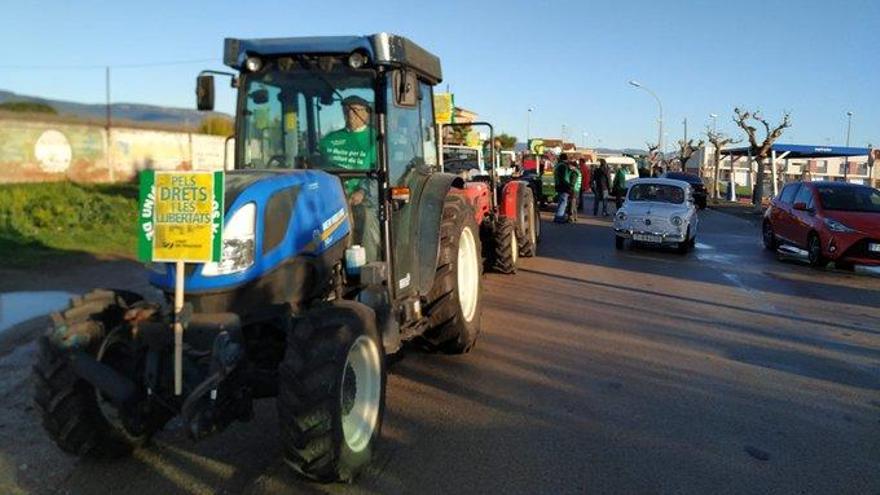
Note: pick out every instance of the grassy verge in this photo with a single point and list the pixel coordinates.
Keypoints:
(42, 221)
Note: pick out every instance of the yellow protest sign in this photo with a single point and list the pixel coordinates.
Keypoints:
(182, 216)
(444, 108)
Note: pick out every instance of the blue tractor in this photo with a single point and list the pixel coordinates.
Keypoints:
(341, 242)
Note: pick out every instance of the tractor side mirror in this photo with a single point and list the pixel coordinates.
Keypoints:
(205, 92)
(406, 88)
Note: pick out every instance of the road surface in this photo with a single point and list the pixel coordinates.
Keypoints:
(598, 371)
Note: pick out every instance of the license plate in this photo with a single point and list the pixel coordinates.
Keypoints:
(874, 247)
(647, 238)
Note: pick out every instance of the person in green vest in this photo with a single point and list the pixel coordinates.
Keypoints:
(562, 179)
(575, 180)
(354, 147)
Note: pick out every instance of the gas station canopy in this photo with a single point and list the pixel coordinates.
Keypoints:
(802, 151)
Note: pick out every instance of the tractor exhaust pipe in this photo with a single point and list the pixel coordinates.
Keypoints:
(119, 388)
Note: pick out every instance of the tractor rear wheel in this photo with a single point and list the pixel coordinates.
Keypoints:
(529, 230)
(504, 252)
(77, 417)
(455, 301)
(331, 392)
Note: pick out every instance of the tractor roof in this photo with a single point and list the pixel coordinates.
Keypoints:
(382, 48)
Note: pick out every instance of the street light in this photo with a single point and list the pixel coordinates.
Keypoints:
(638, 85)
(586, 135)
(713, 116)
(529, 126)
(846, 159)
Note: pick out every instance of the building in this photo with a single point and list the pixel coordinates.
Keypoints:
(793, 162)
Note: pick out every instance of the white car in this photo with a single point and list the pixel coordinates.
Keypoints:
(658, 212)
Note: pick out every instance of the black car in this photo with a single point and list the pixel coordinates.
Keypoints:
(696, 184)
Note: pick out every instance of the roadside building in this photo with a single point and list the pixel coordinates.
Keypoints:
(793, 162)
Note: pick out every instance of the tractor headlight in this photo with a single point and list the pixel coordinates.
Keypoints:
(357, 60)
(238, 243)
(253, 64)
(676, 221)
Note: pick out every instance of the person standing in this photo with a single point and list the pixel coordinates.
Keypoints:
(599, 185)
(575, 200)
(562, 178)
(585, 181)
(618, 187)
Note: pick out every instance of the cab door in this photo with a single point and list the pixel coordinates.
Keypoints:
(802, 220)
(411, 154)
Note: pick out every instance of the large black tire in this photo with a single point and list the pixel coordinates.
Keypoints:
(769, 237)
(814, 251)
(329, 424)
(454, 310)
(504, 248)
(68, 404)
(528, 231)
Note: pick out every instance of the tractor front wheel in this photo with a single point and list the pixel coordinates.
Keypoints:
(504, 252)
(331, 392)
(78, 418)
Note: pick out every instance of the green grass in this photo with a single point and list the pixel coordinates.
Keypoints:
(42, 221)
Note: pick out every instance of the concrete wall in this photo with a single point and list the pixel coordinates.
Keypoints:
(35, 151)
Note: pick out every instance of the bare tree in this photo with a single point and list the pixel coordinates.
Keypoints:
(718, 140)
(760, 152)
(686, 149)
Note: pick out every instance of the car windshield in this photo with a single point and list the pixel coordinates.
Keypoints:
(849, 198)
(294, 110)
(659, 193)
(458, 160)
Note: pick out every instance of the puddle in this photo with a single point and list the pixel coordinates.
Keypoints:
(700, 245)
(16, 307)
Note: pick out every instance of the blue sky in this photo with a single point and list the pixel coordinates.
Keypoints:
(569, 61)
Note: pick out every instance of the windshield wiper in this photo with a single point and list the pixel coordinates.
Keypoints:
(308, 66)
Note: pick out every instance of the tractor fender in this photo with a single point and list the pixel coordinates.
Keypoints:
(430, 211)
(477, 195)
(512, 197)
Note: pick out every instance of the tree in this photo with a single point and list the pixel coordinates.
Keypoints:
(217, 125)
(761, 151)
(508, 142)
(718, 141)
(28, 107)
(686, 149)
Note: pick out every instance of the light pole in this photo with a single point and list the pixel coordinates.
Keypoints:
(659, 121)
(713, 116)
(529, 126)
(586, 135)
(846, 159)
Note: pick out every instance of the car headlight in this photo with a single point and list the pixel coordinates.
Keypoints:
(621, 216)
(836, 226)
(677, 221)
(238, 243)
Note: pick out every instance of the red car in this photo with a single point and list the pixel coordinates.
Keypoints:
(832, 221)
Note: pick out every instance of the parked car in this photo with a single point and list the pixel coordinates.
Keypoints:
(699, 189)
(832, 221)
(658, 212)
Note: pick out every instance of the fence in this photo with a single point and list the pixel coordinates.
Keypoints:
(37, 151)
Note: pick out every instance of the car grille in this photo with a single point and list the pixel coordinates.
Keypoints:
(860, 250)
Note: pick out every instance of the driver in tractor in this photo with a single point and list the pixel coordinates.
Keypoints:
(354, 147)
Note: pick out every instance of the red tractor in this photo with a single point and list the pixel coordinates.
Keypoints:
(505, 209)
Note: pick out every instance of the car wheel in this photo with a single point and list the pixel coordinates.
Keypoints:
(814, 252)
(619, 242)
(770, 242)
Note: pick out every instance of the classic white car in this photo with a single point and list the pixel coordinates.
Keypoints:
(658, 212)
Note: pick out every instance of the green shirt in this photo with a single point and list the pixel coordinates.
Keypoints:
(354, 150)
(575, 179)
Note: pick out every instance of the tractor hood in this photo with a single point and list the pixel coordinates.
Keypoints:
(285, 214)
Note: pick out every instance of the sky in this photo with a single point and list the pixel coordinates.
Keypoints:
(568, 61)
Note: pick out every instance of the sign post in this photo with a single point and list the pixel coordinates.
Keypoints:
(180, 220)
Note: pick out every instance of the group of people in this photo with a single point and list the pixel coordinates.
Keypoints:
(570, 178)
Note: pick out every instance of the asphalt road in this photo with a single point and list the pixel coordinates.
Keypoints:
(598, 371)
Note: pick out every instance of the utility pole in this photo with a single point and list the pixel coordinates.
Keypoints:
(685, 131)
(846, 159)
(109, 124)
